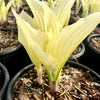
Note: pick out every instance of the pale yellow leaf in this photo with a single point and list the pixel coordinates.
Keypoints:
(63, 11)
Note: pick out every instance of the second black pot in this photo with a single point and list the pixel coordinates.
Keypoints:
(15, 59)
(6, 78)
(91, 57)
(12, 84)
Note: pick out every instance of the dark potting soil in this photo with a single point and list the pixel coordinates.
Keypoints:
(95, 42)
(1, 79)
(74, 84)
(9, 23)
(8, 40)
(74, 17)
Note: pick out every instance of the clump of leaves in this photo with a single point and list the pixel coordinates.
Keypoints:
(48, 40)
(4, 11)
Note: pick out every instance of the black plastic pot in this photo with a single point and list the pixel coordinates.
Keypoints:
(14, 59)
(97, 52)
(91, 57)
(78, 55)
(6, 29)
(20, 73)
(6, 80)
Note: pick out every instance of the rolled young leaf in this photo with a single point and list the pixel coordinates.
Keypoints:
(63, 11)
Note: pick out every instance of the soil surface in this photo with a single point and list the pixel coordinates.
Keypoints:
(77, 50)
(95, 42)
(74, 84)
(96, 31)
(8, 24)
(1, 79)
(8, 40)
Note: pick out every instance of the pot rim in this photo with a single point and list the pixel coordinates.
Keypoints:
(80, 53)
(8, 29)
(13, 81)
(11, 50)
(6, 80)
(90, 45)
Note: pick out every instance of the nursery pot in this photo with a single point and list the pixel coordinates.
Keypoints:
(14, 58)
(92, 54)
(5, 76)
(93, 49)
(13, 82)
(79, 55)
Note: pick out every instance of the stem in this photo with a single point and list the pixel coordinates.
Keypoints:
(54, 86)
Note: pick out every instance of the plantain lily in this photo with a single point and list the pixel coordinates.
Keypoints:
(4, 10)
(46, 41)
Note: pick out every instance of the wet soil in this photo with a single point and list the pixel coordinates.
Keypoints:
(9, 24)
(74, 84)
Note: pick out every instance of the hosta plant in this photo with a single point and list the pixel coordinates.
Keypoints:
(4, 11)
(46, 38)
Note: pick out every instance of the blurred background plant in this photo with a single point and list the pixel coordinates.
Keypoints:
(4, 11)
(17, 4)
(87, 6)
